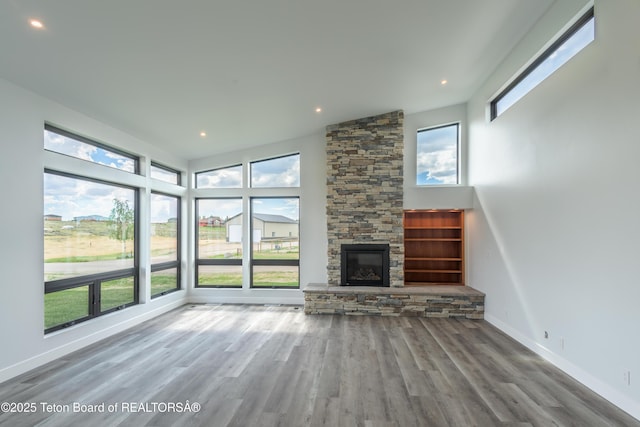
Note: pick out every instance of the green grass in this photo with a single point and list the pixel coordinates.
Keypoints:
(231, 280)
(276, 254)
(115, 293)
(269, 279)
(73, 304)
(64, 306)
(162, 282)
(108, 257)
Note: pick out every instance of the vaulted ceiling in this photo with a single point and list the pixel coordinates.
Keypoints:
(250, 72)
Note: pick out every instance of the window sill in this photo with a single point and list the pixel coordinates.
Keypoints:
(438, 197)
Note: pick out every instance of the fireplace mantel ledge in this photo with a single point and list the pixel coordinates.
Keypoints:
(423, 301)
(442, 290)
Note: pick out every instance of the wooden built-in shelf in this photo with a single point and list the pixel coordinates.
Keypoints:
(434, 247)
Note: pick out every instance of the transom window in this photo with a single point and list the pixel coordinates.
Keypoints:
(63, 142)
(227, 177)
(165, 173)
(278, 172)
(437, 155)
(562, 50)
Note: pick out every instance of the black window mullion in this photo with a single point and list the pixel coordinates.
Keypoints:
(95, 298)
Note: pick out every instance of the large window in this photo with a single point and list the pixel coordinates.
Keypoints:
(63, 142)
(437, 155)
(562, 50)
(90, 248)
(241, 233)
(275, 237)
(219, 250)
(165, 243)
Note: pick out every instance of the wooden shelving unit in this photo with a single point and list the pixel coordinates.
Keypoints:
(434, 247)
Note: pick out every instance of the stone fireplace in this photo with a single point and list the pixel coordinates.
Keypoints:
(364, 211)
(364, 265)
(365, 190)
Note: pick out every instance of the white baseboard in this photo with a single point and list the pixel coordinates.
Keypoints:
(598, 386)
(296, 300)
(48, 356)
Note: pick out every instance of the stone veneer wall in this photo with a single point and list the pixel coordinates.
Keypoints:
(365, 189)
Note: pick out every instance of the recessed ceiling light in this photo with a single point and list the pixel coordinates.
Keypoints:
(36, 23)
(318, 109)
(443, 82)
(203, 134)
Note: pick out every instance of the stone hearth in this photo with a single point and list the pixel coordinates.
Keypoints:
(423, 301)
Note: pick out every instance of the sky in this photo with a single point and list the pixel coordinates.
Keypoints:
(564, 53)
(280, 172)
(437, 156)
(273, 173)
(163, 207)
(164, 175)
(72, 197)
(82, 150)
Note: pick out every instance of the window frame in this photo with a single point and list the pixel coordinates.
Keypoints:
(458, 126)
(568, 34)
(167, 265)
(54, 129)
(94, 281)
(207, 261)
(195, 181)
(271, 262)
(251, 163)
(167, 169)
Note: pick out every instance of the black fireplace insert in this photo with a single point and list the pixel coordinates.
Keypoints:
(364, 265)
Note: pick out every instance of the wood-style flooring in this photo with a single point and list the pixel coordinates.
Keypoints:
(273, 366)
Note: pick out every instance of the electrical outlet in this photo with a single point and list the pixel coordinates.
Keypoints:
(546, 334)
(627, 377)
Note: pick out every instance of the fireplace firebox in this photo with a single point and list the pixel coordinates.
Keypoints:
(364, 265)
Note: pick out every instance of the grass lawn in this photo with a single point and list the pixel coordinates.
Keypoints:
(73, 304)
(162, 281)
(261, 279)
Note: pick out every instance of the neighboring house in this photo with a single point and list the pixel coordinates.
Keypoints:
(265, 227)
(51, 217)
(212, 221)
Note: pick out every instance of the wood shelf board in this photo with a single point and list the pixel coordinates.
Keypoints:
(431, 239)
(413, 270)
(425, 284)
(421, 227)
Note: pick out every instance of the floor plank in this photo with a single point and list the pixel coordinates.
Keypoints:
(249, 365)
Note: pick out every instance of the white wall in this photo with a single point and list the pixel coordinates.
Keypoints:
(554, 231)
(22, 117)
(313, 222)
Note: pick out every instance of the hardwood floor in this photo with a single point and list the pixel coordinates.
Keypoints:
(268, 366)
